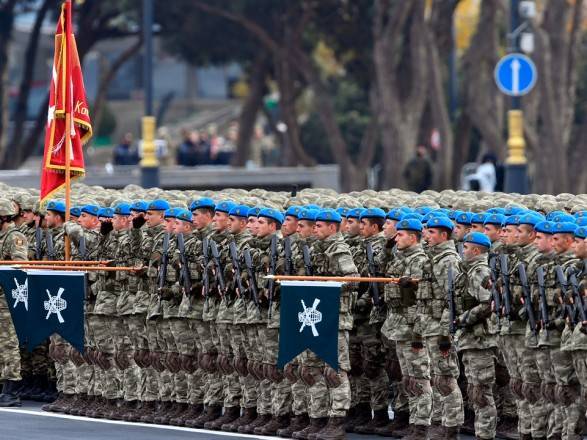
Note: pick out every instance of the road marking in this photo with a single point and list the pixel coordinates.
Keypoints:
(139, 425)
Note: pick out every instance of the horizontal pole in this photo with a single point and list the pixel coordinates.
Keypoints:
(52, 262)
(341, 279)
(84, 268)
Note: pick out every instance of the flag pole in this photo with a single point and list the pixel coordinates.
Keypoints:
(68, 110)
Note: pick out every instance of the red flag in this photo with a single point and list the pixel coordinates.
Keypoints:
(67, 97)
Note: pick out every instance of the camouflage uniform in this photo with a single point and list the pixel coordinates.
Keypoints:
(477, 343)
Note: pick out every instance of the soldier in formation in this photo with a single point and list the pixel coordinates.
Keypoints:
(486, 322)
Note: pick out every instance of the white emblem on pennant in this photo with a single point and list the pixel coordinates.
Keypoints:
(21, 294)
(55, 305)
(310, 317)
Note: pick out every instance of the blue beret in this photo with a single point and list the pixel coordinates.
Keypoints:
(423, 210)
(293, 211)
(354, 213)
(512, 220)
(158, 205)
(56, 206)
(496, 210)
(559, 218)
(184, 215)
(328, 215)
(464, 218)
(478, 238)
(139, 206)
(122, 209)
(564, 228)
(413, 216)
(581, 232)
(225, 206)
(395, 214)
(271, 213)
(313, 207)
(552, 214)
(531, 219)
(580, 214)
(582, 221)
(171, 212)
(343, 211)
(478, 217)
(106, 212)
(202, 203)
(372, 213)
(75, 211)
(545, 227)
(90, 209)
(451, 214)
(308, 214)
(494, 219)
(513, 210)
(240, 211)
(440, 222)
(410, 224)
(254, 212)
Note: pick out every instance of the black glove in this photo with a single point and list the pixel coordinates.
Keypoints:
(138, 222)
(444, 344)
(106, 228)
(406, 282)
(417, 345)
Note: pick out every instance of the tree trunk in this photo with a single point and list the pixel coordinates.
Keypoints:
(29, 63)
(253, 102)
(6, 25)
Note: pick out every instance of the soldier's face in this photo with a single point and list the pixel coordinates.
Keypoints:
(201, 219)
(353, 226)
(477, 227)
(436, 236)
(579, 248)
(460, 231)
(305, 228)
(265, 227)
(28, 216)
(562, 242)
(237, 224)
(389, 228)
(252, 223)
(220, 221)
(367, 229)
(510, 235)
(53, 220)
(324, 230)
(543, 242)
(492, 232)
(170, 225)
(154, 218)
(405, 239)
(120, 222)
(344, 225)
(525, 235)
(470, 251)
(88, 221)
(182, 227)
(290, 225)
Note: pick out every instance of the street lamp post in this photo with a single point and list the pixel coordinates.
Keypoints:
(149, 161)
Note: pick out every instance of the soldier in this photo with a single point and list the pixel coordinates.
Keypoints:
(478, 222)
(334, 259)
(399, 326)
(447, 413)
(462, 228)
(474, 340)
(368, 317)
(13, 246)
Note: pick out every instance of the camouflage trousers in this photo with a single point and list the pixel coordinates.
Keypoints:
(480, 372)
(65, 372)
(87, 376)
(399, 396)
(230, 382)
(173, 331)
(299, 393)
(241, 347)
(9, 351)
(540, 408)
(104, 334)
(513, 348)
(567, 394)
(548, 386)
(447, 403)
(281, 393)
(325, 401)
(123, 342)
(215, 381)
(37, 362)
(137, 328)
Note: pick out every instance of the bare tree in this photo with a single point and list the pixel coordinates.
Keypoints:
(7, 8)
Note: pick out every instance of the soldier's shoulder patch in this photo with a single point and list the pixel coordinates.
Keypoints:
(18, 241)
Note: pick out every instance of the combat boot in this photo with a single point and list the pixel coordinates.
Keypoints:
(212, 412)
(134, 415)
(24, 387)
(249, 416)
(435, 431)
(8, 398)
(50, 393)
(397, 427)
(525, 436)
(111, 407)
(417, 432)
(507, 428)
(360, 416)
(150, 412)
(297, 423)
(334, 430)
(126, 408)
(79, 403)
(39, 388)
(259, 421)
(58, 404)
(380, 419)
(164, 409)
(274, 424)
(176, 410)
(230, 415)
(96, 408)
(192, 413)
(469, 424)
(143, 409)
(316, 424)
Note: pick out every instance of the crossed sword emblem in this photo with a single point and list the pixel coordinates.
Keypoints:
(21, 294)
(306, 317)
(55, 305)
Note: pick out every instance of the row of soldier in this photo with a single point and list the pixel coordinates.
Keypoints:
(189, 339)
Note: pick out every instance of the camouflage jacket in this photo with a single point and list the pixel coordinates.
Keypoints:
(578, 339)
(29, 233)
(128, 281)
(107, 287)
(402, 301)
(13, 246)
(215, 297)
(336, 260)
(260, 254)
(474, 305)
(362, 312)
(434, 310)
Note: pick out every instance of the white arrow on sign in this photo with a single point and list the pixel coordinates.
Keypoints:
(515, 66)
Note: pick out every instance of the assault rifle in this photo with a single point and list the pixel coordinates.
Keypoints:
(252, 281)
(50, 247)
(288, 258)
(543, 305)
(218, 268)
(452, 309)
(236, 267)
(577, 297)
(374, 287)
(494, 292)
(38, 242)
(505, 277)
(206, 255)
(568, 309)
(527, 298)
(272, 268)
(184, 273)
(307, 260)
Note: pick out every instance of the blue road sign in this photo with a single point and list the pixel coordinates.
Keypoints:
(515, 74)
